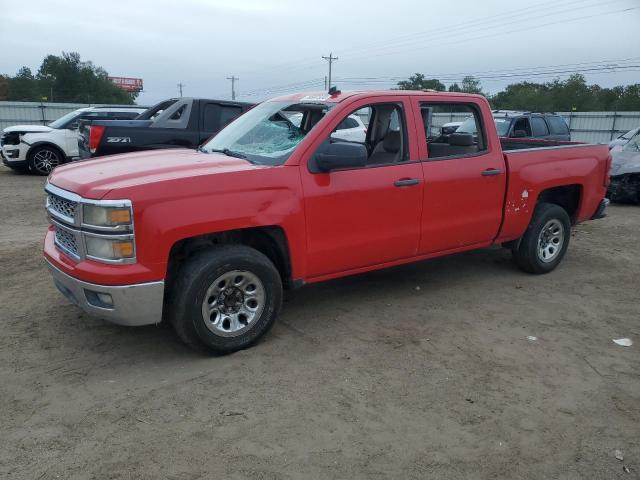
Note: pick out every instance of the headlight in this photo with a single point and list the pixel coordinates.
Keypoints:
(109, 248)
(106, 216)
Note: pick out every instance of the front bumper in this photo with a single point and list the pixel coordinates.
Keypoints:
(12, 155)
(601, 211)
(131, 305)
(624, 188)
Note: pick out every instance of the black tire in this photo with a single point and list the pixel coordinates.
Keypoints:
(528, 255)
(42, 160)
(195, 280)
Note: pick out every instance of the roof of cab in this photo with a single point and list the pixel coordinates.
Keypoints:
(325, 97)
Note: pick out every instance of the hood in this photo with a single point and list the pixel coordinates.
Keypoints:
(617, 141)
(95, 178)
(625, 162)
(28, 129)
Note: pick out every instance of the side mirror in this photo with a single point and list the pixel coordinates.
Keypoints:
(73, 126)
(519, 134)
(334, 155)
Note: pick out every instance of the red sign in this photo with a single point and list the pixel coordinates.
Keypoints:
(128, 84)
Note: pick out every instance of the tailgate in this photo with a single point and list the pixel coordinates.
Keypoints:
(119, 126)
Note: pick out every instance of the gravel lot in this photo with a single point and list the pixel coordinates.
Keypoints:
(423, 371)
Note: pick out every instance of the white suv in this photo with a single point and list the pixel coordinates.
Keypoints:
(39, 149)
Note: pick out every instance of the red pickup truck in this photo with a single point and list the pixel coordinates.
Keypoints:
(209, 239)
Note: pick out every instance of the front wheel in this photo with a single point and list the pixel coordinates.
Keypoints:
(225, 298)
(546, 240)
(42, 160)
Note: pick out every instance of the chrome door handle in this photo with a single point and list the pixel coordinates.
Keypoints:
(490, 172)
(406, 182)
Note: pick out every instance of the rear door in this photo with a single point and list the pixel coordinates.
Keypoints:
(465, 177)
(539, 128)
(558, 128)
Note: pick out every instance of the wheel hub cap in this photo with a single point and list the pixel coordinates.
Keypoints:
(550, 240)
(233, 303)
(45, 161)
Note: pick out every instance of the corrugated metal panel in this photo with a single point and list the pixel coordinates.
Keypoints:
(600, 127)
(36, 113)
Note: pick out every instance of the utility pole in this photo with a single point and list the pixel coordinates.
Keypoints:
(180, 85)
(233, 79)
(330, 59)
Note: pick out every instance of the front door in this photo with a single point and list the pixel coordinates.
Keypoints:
(360, 217)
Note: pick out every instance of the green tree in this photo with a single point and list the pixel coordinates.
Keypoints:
(419, 82)
(4, 87)
(66, 78)
(72, 80)
(454, 87)
(23, 86)
(471, 85)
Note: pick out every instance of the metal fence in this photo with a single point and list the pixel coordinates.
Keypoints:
(592, 127)
(36, 113)
(600, 127)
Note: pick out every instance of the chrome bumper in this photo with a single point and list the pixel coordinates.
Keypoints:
(131, 305)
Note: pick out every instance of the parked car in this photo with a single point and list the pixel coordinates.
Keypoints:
(351, 129)
(40, 148)
(542, 126)
(177, 122)
(623, 139)
(209, 239)
(450, 127)
(625, 173)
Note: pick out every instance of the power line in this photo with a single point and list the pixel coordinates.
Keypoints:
(502, 32)
(475, 26)
(598, 63)
(472, 26)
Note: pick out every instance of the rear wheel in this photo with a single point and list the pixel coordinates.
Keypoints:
(546, 240)
(225, 298)
(42, 160)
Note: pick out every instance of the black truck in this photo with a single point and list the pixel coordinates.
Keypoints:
(175, 123)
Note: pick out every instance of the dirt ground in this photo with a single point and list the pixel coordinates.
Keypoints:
(423, 371)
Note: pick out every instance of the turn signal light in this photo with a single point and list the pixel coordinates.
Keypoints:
(119, 216)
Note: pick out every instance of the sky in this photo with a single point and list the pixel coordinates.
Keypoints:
(276, 47)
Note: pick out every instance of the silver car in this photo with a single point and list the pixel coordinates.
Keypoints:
(622, 140)
(625, 173)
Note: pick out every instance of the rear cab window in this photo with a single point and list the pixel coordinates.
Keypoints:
(469, 139)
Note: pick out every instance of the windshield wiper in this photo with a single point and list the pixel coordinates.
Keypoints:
(228, 153)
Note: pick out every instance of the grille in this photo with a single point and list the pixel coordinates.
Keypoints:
(61, 206)
(67, 241)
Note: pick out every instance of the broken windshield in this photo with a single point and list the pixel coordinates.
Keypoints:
(266, 134)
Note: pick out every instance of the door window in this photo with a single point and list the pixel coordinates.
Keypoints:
(558, 126)
(539, 127)
(386, 136)
(521, 125)
(216, 117)
(468, 139)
